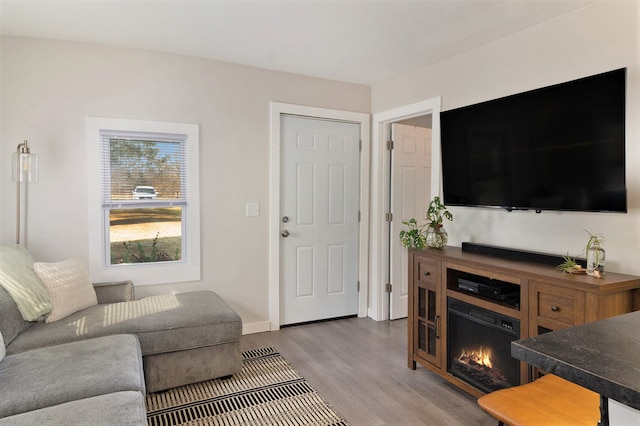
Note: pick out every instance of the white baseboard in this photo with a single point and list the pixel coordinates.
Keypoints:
(373, 315)
(256, 327)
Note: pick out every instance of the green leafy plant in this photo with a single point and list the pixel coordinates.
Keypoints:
(437, 212)
(570, 265)
(416, 236)
(595, 241)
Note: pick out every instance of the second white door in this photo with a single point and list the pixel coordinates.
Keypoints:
(410, 195)
(319, 187)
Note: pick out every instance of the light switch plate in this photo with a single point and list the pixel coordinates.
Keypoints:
(253, 209)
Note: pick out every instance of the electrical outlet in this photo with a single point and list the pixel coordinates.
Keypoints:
(253, 209)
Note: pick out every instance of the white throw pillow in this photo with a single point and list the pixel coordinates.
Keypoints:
(3, 351)
(68, 286)
(22, 283)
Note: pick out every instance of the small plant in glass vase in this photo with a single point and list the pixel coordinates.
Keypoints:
(436, 235)
(430, 234)
(595, 254)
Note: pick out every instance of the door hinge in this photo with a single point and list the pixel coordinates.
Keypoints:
(358, 285)
(388, 217)
(390, 145)
(388, 287)
(360, 146)
(359, 216)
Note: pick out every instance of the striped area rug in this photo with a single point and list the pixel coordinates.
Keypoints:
(267, 392)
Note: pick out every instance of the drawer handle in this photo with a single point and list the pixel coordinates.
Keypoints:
(555, 308)
(437, 326)
(427, 273)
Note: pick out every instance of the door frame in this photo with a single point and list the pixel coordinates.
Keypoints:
(381, 193)
(276, 110)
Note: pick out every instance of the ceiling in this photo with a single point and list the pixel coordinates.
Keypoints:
(357, 41)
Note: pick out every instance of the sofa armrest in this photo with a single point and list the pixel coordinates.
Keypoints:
(113, 292)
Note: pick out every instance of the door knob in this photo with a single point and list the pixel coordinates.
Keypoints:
(285, 233)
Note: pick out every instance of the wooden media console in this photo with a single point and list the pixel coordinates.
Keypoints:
(546, 299)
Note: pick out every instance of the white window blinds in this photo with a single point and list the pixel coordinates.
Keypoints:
(134, 159)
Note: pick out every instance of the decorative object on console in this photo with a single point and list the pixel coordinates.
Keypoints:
(595, 254)
(25, 169)
(571, 266)
(435, 235)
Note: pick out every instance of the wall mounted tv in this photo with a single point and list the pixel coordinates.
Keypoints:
(560, 147)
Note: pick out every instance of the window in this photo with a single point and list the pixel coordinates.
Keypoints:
(144, 222)
(143, 195)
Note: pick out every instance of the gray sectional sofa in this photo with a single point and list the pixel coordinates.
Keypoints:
(92, 382)
(96, 364)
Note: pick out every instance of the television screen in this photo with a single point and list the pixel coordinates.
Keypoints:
(561, 147)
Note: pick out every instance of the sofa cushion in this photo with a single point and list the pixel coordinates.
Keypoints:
(11, 321)
(22, 283)
(114, 292)
(68, 285)
(162, 323)
(120, 408)
(58, 374)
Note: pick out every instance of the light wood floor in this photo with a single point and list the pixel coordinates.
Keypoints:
(360, 366)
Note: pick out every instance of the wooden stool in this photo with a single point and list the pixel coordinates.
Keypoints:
(549, 400)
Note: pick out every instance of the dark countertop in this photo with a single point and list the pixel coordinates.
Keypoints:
(603, 356)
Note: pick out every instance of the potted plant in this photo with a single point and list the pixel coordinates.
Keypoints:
(415, 236)
(595, 254)
(436, 235)
(430, 234)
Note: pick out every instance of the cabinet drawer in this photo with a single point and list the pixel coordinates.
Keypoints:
(560, 305)
(428, 270)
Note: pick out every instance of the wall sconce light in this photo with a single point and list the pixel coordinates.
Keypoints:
(25, 169)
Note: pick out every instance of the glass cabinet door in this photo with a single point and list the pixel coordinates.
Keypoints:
(428, 322)
(427, 315)
(425, 301)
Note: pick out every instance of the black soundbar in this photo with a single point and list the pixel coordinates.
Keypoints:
(516, 254)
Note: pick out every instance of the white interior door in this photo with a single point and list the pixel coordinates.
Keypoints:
(410, 197)
(319, 187)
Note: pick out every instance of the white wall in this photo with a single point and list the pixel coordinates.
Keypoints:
(49, 88)
(597, 38)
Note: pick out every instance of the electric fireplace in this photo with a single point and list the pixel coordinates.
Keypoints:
(479, 346)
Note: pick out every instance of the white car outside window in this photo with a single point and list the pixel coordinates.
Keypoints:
(144, 193)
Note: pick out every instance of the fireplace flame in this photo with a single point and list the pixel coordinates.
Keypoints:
(481, 356)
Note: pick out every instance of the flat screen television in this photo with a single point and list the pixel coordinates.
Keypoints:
(560, 147)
